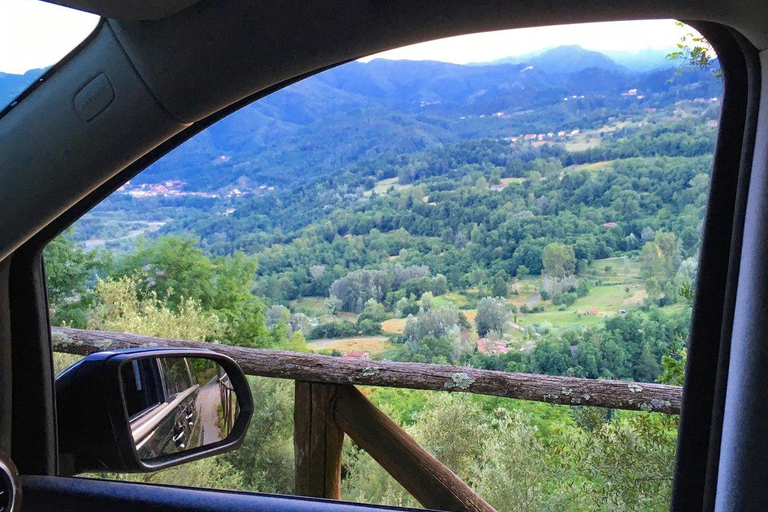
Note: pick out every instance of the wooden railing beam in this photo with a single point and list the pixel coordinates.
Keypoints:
(334, 370)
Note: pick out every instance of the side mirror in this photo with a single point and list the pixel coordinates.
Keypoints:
(140, 410)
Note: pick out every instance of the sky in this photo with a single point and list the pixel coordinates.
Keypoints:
(632, 36)
(34, 34)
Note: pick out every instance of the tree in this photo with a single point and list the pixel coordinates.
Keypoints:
(558, 260)
(647, 368)
(659, 262)
(332, 305)
(297, 343)
(276, 314)
(317, 272)
(492, 315)
(499, 285)
(173, 267)
(300, 323)
(121, 307)
(431, 322)
(357, 287)
(68, 271)
(427, 301)
(373, 311)
(439, 285)
(647, 234)
(670, 251)
(694, 52)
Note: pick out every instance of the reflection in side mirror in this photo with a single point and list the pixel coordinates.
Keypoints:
(147, 409)
(176, 404)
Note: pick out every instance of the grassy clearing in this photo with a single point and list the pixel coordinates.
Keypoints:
(607, 299)
(393, 325)
(620, 270)
(512, 181)
(621, 291)
(383, 186)
(311, 306)
(582, 142)
(526, 289)
(567, 318)
(460, 300)
(374, 345)
(592, 168)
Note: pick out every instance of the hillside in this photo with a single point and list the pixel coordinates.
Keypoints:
(405, 106)
(11, 85)
(565, 60)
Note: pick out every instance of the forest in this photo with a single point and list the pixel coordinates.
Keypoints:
(568, 251)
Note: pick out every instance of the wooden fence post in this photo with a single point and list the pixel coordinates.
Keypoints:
(317, 441)
(426, 478)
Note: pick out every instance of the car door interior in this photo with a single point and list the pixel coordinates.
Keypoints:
(187, 67)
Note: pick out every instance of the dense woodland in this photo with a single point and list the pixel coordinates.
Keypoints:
(569, 252)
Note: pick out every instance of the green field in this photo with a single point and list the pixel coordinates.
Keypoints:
(590, 168)
(621, 270)
(512, 181)
(310, 306)
(457, 299)
(383, 186)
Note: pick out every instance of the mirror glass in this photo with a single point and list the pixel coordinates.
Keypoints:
(177, 403)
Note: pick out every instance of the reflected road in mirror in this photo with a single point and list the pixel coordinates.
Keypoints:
(177, 403)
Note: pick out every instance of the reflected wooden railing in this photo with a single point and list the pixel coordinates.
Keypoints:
(328, 406)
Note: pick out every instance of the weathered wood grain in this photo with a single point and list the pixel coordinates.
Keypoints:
(333, 370)
(419, 472)
(317, 441)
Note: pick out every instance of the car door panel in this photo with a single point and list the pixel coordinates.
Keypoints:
(42, 493)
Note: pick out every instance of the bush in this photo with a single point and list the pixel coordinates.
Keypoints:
(369, 327)
(568, 298)
(333, 330)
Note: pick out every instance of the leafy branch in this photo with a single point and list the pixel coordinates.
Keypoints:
(695, 52)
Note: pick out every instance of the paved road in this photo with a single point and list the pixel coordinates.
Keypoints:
(207, 403)
(533, 301)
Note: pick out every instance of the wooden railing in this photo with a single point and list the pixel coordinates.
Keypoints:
(328, 405)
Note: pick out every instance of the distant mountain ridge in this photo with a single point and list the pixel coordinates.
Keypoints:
(361, 110)
(573, 58)
(565, 60)
(11, 84)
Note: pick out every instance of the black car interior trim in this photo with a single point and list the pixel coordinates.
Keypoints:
(718, 271)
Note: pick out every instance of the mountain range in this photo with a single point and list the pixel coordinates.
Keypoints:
(387, 106)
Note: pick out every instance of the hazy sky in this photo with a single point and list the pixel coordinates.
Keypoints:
(34, 34)
(631, 36)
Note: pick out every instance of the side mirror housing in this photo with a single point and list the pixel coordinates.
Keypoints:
(140, 410)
